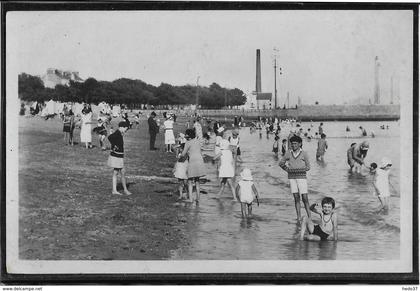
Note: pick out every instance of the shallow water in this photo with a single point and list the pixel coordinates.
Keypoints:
(219, 232)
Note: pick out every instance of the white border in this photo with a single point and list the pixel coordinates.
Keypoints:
(16, 266)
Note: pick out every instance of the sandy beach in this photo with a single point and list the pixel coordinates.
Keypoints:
(67, 211)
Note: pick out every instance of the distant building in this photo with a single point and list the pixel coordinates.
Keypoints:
(251, 102)
(264, 100)
(55, 77)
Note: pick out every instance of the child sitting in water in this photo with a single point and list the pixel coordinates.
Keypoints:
(245, 193)
(327, 229)
(381, 182)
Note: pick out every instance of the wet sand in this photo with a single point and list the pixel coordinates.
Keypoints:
(67, 212)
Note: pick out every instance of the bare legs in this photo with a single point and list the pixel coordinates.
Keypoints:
(296, 196)
(181, 189)
(123, 181)
(101, 142)
(306, 204)
(305, 201)
(169, 148)
(223, 184)
(384, 203)
(197, 189)
(71, 137)
(307, 225)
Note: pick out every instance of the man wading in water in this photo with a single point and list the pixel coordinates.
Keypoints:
(296, 163)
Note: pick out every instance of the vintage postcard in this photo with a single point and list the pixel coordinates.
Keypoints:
(229, 140)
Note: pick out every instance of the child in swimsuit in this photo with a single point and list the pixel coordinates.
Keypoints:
(327, 229)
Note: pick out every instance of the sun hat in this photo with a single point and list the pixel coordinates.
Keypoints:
(246, 174)
(385, 162)
(364, 145)
(224, 144)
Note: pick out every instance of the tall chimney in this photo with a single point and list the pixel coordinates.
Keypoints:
(377, 92)
(258, 80)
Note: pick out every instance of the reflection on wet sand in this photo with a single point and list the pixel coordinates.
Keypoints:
(220, 233)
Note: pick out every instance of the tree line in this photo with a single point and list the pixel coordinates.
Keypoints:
(130, 92)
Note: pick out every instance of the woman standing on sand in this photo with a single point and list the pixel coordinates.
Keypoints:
(196, 167)
(86, 126)
(169, 133)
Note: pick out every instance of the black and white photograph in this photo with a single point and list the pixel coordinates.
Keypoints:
(211, 139)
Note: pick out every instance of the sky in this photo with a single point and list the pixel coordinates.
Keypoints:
(325, 55)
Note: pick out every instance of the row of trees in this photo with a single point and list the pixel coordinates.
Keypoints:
(129, 92)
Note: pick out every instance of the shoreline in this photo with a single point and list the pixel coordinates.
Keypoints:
(303, 113)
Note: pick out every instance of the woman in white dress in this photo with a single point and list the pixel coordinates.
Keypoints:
(86, 126)
(169, 133)
(227, 167)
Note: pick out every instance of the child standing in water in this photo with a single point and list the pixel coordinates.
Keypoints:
(381, 182)
(180, 172)
(327, 229)
(296, 163)
(217, 151)
(234, 144)
(245, 193)
(322, 147)
(227, 168)
(276, 146)
(116, 158)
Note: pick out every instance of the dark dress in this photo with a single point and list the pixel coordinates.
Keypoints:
(153, 131)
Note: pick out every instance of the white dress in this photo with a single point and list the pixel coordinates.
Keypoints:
(181, 170)
(226, 169)
(382, 182)
(246, 195)
(86, 128)
(169, 132)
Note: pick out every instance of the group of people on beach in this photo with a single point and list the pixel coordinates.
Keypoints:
(221, 144)
(295, 162)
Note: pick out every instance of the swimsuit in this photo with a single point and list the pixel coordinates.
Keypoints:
(327, 225)
(319, 232)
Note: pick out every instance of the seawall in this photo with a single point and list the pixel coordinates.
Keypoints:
(315, 113)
